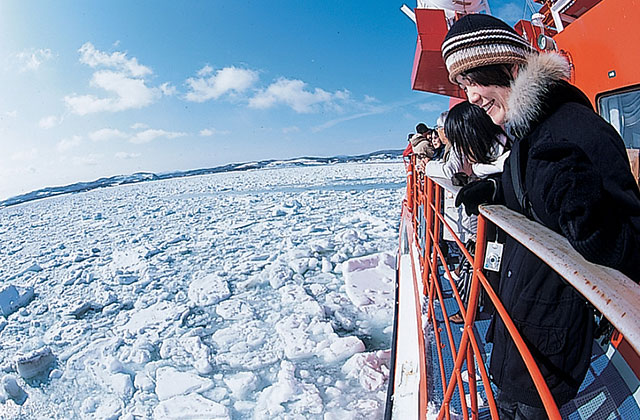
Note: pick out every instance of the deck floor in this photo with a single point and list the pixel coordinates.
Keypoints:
(604, 394)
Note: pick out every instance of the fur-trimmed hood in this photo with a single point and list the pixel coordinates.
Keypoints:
(534, 92)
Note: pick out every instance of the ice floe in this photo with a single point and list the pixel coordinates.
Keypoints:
(34, 363)
(262, 294)
(14, 297)
(208, 290)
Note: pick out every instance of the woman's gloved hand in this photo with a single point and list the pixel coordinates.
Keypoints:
(476, 193)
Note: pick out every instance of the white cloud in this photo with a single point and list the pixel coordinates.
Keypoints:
(151, 134)
(208, 132)
(11, 114)
(139, 126)
(25, 155)
(370, 99)
(32, 59)
(50, 121)
(226, 80)
(122, 77)
(88, 160)
(205, 71)
(126, 155)
(68, 144)
(130, 93)
(168, 89)
(431, 107)
(105, 134)
(292, 129)
(510, 12)
(294, 94)
(117, 60)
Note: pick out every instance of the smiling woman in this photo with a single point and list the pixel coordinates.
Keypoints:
(567, 171)
(491, 98)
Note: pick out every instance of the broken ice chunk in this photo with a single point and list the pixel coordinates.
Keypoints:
(35, 363)
(208, 290)
(35, 267)
(241, 384)
(12, 298)
(13, 390)
(192, 406)
(170, 383)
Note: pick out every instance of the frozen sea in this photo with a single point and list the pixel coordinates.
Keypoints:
(243, 295)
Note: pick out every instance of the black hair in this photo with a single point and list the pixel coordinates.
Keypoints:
(422, 128)
(409, 136)
(472, 132)
(494, 74)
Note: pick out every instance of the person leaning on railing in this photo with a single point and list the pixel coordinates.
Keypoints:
(438, 145)
(421, 147)
(473, 135)
(452, 162)
(568, 170)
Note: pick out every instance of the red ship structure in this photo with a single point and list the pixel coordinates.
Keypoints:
(439, 369)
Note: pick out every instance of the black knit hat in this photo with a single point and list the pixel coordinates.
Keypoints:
(421, 128)
(477, 40)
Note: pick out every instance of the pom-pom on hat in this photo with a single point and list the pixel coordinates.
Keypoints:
(477, 40)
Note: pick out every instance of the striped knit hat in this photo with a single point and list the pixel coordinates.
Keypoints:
(480, 40)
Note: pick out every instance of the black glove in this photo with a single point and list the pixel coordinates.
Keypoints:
(460, 179)
(476, 193)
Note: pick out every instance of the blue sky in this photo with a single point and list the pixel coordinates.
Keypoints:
(93, 89)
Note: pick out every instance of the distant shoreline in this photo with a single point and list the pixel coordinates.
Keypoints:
(231, 167)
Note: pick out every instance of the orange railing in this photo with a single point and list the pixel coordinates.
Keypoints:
(609, 291)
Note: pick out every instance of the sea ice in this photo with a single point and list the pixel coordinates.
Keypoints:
(371, 369)
(34, 363)
(13, 390)
(301, 398)
(208, 290)
(158, 315)
(242, 383)
(171, 382)
(370, 283)
(190, 406)
(218, 296)
(13, 298)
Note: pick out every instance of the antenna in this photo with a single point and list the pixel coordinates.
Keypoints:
(407, 11)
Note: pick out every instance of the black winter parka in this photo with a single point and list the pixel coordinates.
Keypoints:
(577, 177)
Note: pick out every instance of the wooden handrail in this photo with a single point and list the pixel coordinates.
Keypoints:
(615, 295)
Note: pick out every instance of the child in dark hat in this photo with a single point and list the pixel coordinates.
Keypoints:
(421, 128)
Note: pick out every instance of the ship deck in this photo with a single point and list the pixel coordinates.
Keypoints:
(610, 389)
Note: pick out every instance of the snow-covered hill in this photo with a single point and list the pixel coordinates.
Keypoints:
(148, 176)
(213, 296)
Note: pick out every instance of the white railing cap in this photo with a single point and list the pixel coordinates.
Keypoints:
(610, 291)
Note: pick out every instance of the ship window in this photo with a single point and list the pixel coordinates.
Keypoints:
(622, 110)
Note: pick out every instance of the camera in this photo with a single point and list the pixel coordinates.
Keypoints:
(493, 256)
